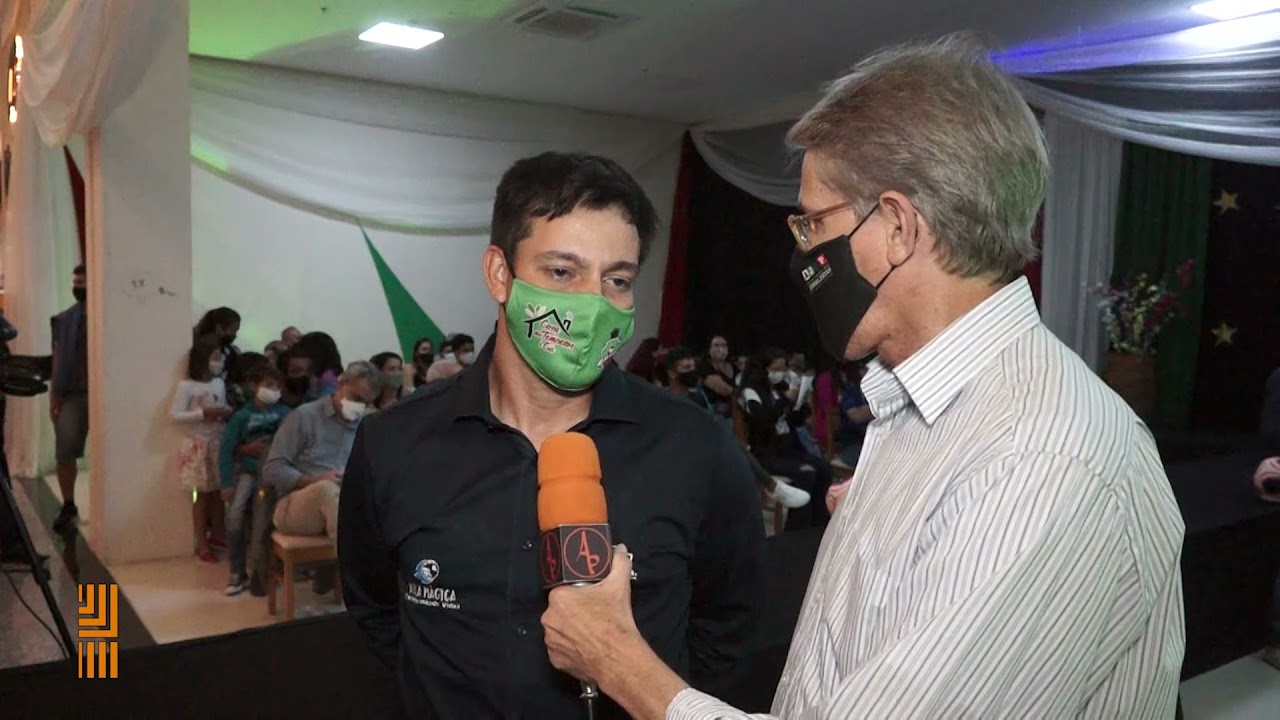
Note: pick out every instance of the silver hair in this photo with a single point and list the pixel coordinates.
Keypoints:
(941, 124)
(363, 370)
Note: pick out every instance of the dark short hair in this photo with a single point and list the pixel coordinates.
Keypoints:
(381, 359)
(78, 270)
(463, 339)
(323, 352)
(262, 373)
(676, 354)
(552, 185)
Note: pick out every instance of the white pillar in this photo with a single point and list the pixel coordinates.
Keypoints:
(138, 244)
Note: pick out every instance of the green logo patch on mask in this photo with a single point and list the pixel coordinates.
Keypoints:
(566, 338)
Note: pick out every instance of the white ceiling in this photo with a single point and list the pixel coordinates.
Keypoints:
(684, 60)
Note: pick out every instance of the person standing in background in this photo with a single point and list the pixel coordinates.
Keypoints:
(326, 361)
(200, 406)
(290, 336)
(69, 398)
(423, 356)
(221, 323)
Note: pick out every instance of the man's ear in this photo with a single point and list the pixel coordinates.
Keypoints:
(497, 275)
(905, 226)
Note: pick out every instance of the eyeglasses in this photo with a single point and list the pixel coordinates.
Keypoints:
(802, 225)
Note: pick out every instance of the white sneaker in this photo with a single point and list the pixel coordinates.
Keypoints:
(236, 585)
(788, 496)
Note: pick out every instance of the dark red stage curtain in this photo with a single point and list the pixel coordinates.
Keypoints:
(77, 195)
(671, 321)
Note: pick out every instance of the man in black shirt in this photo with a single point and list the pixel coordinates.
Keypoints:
(438, 514)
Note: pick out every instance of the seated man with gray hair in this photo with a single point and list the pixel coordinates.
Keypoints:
(310, 451)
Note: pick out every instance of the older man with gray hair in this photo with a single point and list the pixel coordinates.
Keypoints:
(310, 451)
(1010, 546)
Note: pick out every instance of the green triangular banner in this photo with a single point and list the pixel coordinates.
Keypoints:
(410, 320)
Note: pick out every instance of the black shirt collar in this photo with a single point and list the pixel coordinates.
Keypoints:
(610, 398)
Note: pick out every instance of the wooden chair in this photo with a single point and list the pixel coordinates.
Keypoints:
(289, 553)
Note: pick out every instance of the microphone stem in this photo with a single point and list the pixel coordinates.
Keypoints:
(589, 695)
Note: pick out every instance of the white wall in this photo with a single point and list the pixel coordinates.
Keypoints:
(280, 266)
(139, 261)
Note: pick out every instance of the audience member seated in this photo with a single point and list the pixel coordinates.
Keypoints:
(245, 441)
(423, 355)
(221, 323)
(392, 368)
(309, 453)
(1270, 421)
(684, 380)
(766, 400)
(718, 376)
(299, 382)
(643, 359)
(464, 353)
(1267, 480)
(739, 367)
(290, 336)
(326, 362)
(800, 378)
(273, 350)
(854, 416)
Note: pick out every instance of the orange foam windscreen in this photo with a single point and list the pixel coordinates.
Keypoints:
(569, 489)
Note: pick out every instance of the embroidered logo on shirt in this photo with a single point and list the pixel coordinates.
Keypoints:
(421, 590)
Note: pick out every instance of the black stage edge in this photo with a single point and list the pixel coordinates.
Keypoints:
(84, 565)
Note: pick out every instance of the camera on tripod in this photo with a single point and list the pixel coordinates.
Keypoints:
(21, 375)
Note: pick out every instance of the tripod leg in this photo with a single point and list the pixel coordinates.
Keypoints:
(9, 505)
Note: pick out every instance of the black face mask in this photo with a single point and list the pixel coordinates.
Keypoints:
(838, 295)
(688, 379)
(79, 294)
(298, 385)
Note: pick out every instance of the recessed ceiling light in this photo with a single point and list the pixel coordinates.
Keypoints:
(1232, 9)
(404, 36)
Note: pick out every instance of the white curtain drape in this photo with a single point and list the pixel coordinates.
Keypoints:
(755, 160)
(82, 58)
(398, 158)
(1079, 232)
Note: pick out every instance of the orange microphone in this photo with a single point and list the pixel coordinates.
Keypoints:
(576, 545)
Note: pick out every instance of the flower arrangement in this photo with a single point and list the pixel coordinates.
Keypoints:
(1136, 313)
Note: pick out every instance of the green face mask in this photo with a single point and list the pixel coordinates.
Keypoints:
(566, 337)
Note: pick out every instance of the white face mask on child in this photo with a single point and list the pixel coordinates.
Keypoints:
(267, 396)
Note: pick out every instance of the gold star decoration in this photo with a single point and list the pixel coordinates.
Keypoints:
(1224, 334)
(1227, 201)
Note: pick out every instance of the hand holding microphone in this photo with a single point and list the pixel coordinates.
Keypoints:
(590, 602)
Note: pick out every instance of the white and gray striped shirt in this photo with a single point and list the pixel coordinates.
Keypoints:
(1009, 547)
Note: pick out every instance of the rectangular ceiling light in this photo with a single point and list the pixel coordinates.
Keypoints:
(404, 36)
(1232, 9)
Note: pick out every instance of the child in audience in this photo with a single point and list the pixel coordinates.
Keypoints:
(245, 442)
(200, 405)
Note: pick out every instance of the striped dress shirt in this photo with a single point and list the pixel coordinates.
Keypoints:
(1009, 547)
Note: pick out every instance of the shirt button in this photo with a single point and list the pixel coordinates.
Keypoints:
(521, 631)
(528, 545)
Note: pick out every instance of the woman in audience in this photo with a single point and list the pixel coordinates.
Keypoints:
(200, 405)
(766, 401)
(222, 323)
(718, 376)
(643, 361)
(326, 363)
(392, 368)
(855, 414)
(423, 356)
